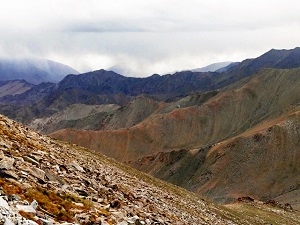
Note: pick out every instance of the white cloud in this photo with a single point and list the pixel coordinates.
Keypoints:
(146, 36)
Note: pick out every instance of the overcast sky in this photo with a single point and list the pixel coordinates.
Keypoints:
(146, 36)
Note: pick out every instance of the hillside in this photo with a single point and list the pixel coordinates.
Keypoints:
(112, 117)
(70, 183)
(180, 146)
(225, 115)
(14, 87)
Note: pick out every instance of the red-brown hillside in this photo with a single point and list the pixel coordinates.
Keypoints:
(227, 114)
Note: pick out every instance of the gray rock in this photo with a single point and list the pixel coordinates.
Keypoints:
(29, 222)
(9, 174)
(3, 203)
(133, 219)
(75, 165)
(7, 163)
(38, 173)
(26, 208)
(34, 204)
(123, 223)
(14, 197)
(45, 222)
(1, 154)
(8, 222)
(30, 160)
(103, 222)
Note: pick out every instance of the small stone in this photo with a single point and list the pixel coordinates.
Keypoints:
(103, 222)
(123, 223)
(14, 197)
(133, 219)
(30, 222)
(75, 165)
(34, 204)
(9, 174)
(1, 154)
(8, 222)
(115, 204)
(100, 200)
(26, 208)
(26, 186)
(3, 203)
(45, 222)
(30, 160)
(38, 173)
(79, 204)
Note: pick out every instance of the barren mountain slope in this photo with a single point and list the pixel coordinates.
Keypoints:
(80, 116)
(242, 142)
(267, 94)
(70, 183)
(262, 163)
(14, 87)
(106, 117)
(111, 116)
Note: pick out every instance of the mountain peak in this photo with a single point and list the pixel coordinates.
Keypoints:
(212, 67)
(34, 71)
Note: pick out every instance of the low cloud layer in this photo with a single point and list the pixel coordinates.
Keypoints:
(146, 37)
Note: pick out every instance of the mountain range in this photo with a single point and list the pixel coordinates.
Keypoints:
(223, 135)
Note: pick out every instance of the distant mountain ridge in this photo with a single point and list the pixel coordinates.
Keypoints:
(212, 67)
(224, 69)
(108, 87)
(34, 71)
(280, 59)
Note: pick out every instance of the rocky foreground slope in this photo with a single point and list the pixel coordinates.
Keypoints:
(69, 183)
(49, 182)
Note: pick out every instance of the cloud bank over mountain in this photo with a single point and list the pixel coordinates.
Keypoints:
(146, 36)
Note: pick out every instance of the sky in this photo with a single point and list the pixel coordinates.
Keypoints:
(140, 38)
